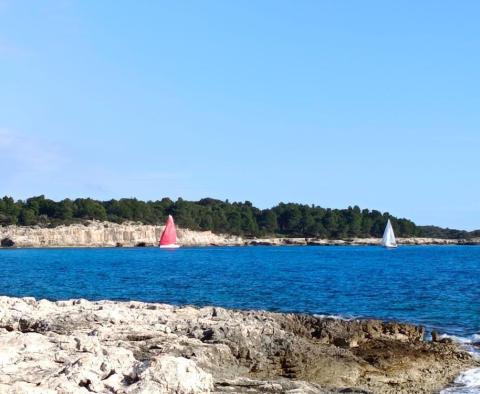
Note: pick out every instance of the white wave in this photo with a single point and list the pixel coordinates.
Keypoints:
(470, 378)
(467, 343)
(336, 317)
(469, 381)
(462, 340)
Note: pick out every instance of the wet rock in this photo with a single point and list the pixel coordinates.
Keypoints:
(446, 340)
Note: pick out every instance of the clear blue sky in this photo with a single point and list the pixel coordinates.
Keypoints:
(336, 103)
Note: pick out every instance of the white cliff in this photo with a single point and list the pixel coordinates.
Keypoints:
(107, 234)
(104, 234)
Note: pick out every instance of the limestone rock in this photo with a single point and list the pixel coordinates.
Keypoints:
(173, 375)
(106, 234)
(78, 346)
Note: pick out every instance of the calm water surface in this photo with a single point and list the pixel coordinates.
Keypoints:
(438, 286)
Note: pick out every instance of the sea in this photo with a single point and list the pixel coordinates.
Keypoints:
(435, 286)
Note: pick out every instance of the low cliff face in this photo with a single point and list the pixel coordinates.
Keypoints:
(104, 234)
(78, 346)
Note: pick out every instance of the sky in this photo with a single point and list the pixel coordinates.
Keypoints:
(333, 103)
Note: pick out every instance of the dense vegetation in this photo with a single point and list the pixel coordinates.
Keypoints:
(439, 232)
(209, 214)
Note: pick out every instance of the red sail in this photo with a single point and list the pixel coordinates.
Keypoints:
(169, 235)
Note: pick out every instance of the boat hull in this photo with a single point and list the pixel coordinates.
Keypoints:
(171, 246)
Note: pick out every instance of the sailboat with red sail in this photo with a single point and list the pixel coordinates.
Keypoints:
(168, 239)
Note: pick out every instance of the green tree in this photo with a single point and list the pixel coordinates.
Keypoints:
(90, 209)
(65, 210)
(268, 221)
(354, 219)
(27, 217)
(9, 211)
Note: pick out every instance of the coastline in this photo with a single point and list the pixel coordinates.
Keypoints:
(107, 234)
(134, 347)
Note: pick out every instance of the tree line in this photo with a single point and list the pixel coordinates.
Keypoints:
(240, 218)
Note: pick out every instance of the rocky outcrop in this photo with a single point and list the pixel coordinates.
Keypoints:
(355, 241)
(79, 346)
(106, 234)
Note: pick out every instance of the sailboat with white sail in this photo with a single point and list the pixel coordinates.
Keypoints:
(168, 239)
(388, 239)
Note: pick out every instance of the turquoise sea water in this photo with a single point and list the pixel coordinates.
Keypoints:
(438, 286)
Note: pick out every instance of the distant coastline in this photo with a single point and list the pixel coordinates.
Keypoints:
(289, 220)
(131, 234)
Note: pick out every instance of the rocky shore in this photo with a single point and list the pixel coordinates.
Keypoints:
(105, 234)
(78, 346)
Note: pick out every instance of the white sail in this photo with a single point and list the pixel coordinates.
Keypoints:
(388, 239)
